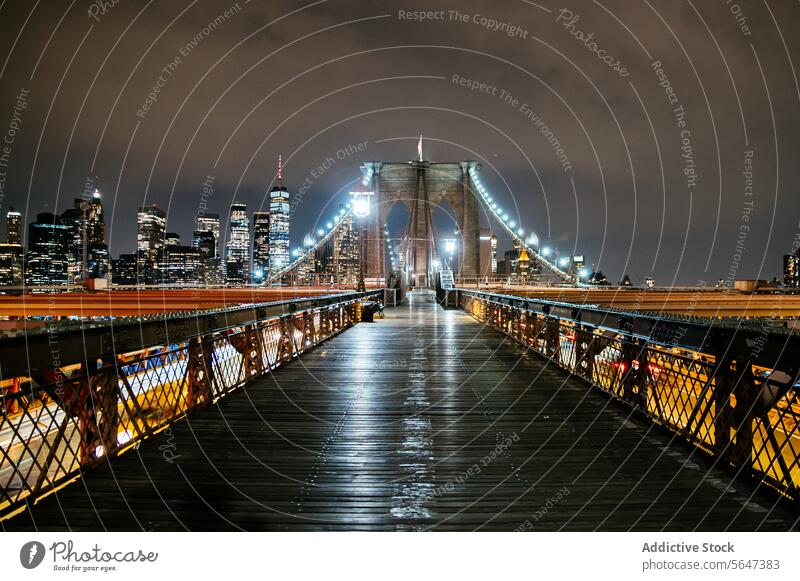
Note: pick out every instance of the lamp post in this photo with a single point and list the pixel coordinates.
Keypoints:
(361, 211)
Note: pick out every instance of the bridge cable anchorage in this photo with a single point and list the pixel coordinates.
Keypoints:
(541, 260)
(311, 251)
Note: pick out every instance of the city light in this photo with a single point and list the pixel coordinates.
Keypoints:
(546, 251)
(361, 203)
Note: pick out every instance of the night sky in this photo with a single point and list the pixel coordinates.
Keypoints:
(658, 108)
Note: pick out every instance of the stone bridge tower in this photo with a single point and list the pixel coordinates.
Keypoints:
(422, 186)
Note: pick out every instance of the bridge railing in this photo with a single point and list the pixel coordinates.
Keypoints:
(729, 391)
(90, 411)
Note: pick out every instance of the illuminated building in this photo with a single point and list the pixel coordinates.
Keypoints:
(323, 259)
(345, 249)
(260, 246)
(89, 250)
(151, 228)
(210, 223)
(97, 261)
(124, 270)
(181, 265)
(791, 270)
(493, 245)
(72, 218)
(10, 265)
(48, 257)
(237, 250)
(13, 227)
(523, 266)
(279, 224)
(205, 242)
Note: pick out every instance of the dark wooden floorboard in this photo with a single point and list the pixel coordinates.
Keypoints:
(400, 425)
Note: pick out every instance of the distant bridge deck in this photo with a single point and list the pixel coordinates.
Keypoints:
(423, 420)
(699, 301)
(133, 303)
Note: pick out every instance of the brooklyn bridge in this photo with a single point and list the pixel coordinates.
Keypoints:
(429, 395)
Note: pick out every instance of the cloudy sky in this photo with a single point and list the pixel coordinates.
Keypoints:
(658, 108)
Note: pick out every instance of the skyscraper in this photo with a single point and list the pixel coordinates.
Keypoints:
(72, 218)
(205, 242)
(10, 265)
(791, 269)
(13, 227)
(210, 223)
(237, 251)
(88, 249)
(48, 256)
(260, 246)
(279, 224)
(152, 224)
(346, 249)
(93, 217)
(493, 252)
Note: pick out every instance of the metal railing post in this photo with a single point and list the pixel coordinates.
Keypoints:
(735, 397)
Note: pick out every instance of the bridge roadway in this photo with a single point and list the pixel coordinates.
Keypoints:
(423, 420)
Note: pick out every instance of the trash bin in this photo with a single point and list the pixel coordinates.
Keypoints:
(368, 309)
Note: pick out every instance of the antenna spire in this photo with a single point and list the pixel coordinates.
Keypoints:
(280, 170)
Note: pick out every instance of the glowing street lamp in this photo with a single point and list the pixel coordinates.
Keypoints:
(361, 203)
(361, 211)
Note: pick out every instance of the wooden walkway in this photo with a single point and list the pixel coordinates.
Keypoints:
(423, 420)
